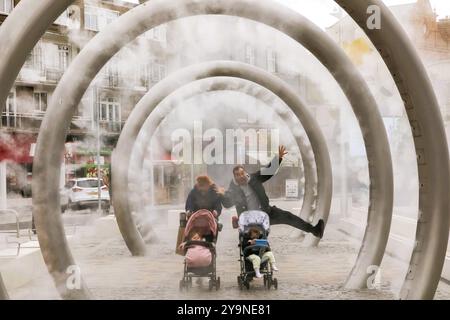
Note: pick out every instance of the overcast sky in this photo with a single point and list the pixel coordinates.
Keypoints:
(320, 11)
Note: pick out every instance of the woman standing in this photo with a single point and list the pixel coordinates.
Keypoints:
(204, 195)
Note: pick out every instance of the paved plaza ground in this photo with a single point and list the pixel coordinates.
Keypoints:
(305, 273)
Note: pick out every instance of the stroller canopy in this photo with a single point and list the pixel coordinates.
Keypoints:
(202, 221)
(254, 217)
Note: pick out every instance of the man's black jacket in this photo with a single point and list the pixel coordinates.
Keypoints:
(234, 196)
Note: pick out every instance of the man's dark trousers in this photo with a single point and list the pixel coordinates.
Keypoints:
(280, 216)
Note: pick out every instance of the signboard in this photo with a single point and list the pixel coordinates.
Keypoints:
(291, 188)
(32, 149)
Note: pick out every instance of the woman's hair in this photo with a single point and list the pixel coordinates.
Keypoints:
(204, 181)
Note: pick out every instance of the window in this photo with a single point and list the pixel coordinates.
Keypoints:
(157, 34)
(104, 111)
(158, 71)
(35, 58)
(250, 55)
(63, 55)
(6, 6)
(40, 101)
(11, 103)
(90, 18)
(91, 183)
(111, 73)
(9, 116)
(272, 61)
(110, 114)
(97, 18)
(107, 16)
(110, 110)
(142, 74)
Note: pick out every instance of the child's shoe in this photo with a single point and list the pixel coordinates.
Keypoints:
(257, 274)
(274, 267)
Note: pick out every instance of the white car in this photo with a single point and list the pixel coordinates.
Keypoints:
(83, 193)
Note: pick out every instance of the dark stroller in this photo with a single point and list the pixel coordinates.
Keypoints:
(254, 220)
(196, 253)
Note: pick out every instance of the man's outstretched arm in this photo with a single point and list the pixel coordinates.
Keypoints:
(267, 172)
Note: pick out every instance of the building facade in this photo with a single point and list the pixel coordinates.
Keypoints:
(125, 79)
(430, 36)
(105, 106)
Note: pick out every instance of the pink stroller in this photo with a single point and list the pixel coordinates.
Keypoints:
(200, 253)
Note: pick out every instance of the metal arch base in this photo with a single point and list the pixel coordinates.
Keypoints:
(146, 116)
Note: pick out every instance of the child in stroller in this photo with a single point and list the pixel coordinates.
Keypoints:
(199, 249)
(254, 235)
(256, 258)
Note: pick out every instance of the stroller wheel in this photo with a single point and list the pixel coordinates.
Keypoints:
(241, 285)
(189, 283)
(218, 283)
(269, 283)
(247, 284)
(211, 284)
(275, 283)
(265, 281)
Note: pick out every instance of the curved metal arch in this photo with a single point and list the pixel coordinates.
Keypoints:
(149, 120)
(138, 20)
(19, 33)
(41, 19)
(3, 292)
(293, 25)
(428, 130)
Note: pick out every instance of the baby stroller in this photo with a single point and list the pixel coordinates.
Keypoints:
(254, 219)
(200, 255)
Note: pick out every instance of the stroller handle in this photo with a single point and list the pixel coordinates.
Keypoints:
(199, 243)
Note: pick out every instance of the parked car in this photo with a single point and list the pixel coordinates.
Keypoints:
(82, 193)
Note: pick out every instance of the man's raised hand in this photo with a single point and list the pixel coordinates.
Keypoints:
(282, 151)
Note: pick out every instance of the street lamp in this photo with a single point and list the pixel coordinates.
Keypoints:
(97, 119)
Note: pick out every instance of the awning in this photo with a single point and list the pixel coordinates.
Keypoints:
(16, 147)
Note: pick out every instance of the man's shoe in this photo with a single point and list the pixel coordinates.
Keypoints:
(318, 229)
